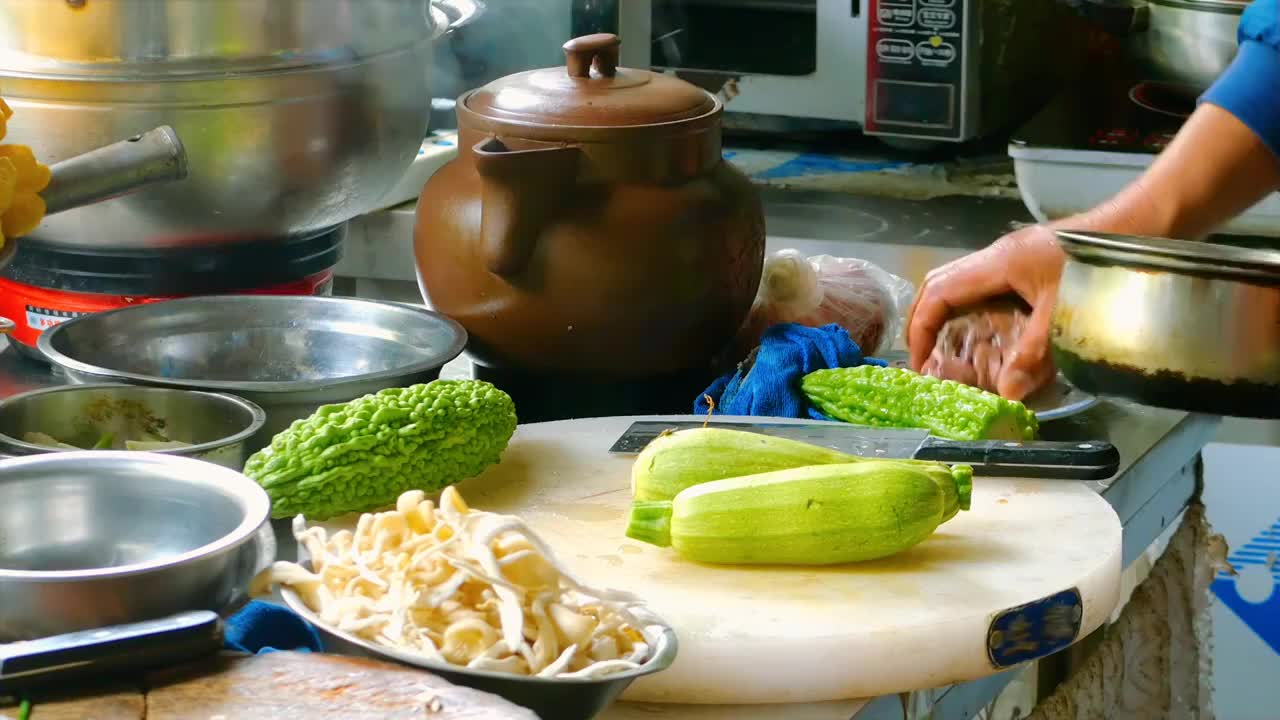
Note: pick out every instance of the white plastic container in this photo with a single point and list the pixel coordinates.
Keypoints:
(1055, 183)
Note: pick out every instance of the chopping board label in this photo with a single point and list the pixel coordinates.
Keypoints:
(1035, 630)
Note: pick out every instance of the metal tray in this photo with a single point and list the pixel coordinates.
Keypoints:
(1059, 400)
(561, 699)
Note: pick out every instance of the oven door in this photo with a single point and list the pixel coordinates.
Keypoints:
(798, 59)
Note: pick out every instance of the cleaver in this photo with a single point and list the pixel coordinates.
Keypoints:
(1089, 460)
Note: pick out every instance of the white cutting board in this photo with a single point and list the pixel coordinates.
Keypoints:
(795, 635)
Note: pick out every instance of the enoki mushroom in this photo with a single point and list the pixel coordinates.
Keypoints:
(466, 587)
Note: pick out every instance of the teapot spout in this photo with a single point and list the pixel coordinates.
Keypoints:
(521, 190)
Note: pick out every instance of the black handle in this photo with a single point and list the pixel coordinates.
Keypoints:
(109, 650)
(1085, 460)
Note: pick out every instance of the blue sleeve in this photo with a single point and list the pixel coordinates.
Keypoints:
(1250, 88)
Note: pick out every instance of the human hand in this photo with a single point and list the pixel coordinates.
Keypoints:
(1026, 262)
(970, 347)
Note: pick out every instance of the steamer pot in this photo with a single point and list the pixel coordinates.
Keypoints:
(297, 115)
(1185, 325)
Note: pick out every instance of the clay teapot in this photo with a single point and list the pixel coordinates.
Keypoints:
(589, 223)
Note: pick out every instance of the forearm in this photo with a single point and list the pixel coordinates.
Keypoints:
(1215, 169)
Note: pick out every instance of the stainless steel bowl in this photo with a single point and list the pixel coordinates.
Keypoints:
(1188, 41)
(91, 539)
(286, 354)
(217, 427)
(562, 699)
(297, 115)
(1186, 325)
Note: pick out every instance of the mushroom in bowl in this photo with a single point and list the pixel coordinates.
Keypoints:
(104, 416)
(477, 598)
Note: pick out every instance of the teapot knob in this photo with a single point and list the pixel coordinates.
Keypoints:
(599, 50)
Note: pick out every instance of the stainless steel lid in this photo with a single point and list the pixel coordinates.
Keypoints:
(138, 40)
(1183, 256)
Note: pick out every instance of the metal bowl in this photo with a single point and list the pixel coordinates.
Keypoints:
(562, 699)
(286, 354)
(91, 539)
(1188, 41)
(217, 427)
(1185, 325)
(297, 115)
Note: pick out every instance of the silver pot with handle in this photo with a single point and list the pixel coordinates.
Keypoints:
(1171, 323)
(115, 171)
(1187, 42)
(297, 115)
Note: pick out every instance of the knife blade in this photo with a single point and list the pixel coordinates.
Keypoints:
(1090, 460)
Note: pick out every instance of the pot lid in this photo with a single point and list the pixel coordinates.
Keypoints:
(1186, 256)
(591, 91)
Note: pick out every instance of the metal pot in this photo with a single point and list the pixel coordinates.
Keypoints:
(1188, 42)
(217, 427)
(120, 169)
(103, 538)
(297, 115)
(1186, 325)
(286, 354)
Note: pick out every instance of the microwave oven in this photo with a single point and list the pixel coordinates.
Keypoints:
(931, 70)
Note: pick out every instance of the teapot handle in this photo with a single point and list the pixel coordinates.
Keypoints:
(520, 192)
(600, 51)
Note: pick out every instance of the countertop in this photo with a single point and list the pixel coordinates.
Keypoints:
(820, 207)
(1159, 454)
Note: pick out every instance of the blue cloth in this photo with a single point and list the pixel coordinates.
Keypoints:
(767, 384)
(262, 627)
(1250, 88)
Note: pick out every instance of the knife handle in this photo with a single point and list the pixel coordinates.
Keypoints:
(108, 651)
(1085, 460)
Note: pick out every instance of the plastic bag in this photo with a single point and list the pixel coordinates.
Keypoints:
(855, 294)
(970, 347)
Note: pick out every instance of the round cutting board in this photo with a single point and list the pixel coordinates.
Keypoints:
(1031, 567)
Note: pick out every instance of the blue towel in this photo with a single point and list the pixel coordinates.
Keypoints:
(262, 627)
(767, 384)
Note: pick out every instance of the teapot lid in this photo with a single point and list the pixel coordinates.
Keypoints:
(591, 91)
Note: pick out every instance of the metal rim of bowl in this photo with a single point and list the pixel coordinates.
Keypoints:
(1225, 7)
(1182, 256)
(256, 514)
(663, 655)
(258, 414)
(45, 345)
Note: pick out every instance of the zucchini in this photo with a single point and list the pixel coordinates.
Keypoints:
(677, 461)
(816, 515)
(955, 482)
